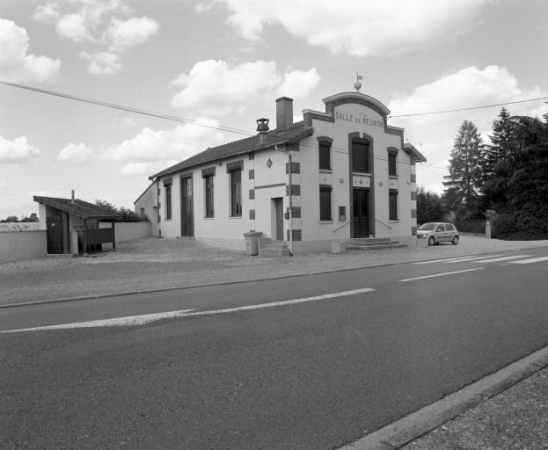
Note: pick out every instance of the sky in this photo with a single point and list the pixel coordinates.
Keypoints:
(216, 66)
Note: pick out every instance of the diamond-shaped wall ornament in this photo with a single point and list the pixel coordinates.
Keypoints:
(269, 163)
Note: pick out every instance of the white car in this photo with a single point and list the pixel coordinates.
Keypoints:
(437, 232)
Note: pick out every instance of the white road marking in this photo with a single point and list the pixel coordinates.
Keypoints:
(530, 261)
(146, 318)
(440, 274)
(451, 260)
(504, 258)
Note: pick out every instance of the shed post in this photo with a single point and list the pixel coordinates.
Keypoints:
(85, 237)
(113, 235)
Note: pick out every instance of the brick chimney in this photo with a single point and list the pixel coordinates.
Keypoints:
(284, 113)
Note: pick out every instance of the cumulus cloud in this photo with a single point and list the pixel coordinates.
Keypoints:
(18, 151)
(105, 23)
(357, 27)
(102, 63)
(433, 134)
(123, 34)
(164, 146)
(75, 153)
(16, 64)
(218, 88)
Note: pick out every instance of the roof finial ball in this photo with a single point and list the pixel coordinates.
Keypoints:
(358, 83)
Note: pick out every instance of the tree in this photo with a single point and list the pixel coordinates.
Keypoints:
(128, 215)
(465, 166)
(429, 206)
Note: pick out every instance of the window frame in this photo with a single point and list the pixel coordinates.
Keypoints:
(392, 162)
(209, 196)
(169, 201)
(326, 214)
(393, 204)
(324, 153)
(366, 160)
(236, 207)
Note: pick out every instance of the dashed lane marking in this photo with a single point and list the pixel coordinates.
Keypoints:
(440, 274)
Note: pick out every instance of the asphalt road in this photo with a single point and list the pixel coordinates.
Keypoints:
(324, 360)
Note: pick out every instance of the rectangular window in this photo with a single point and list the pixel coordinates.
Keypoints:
(209, 211)
(236, 193)
(325, 156)
(393, 204)
(392, 164)
(325, 203)
(168, 202)
(360, 156)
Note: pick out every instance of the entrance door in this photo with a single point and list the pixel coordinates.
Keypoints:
(360, 217)
(54, 227)
(187, 210)
(279, 213)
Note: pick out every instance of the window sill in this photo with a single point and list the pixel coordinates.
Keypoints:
(234, 217)
(393, 177)
(326, 222)
(326, 170)
(362, 173)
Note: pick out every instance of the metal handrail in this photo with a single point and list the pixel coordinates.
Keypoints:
(387, 226)
(342, 226)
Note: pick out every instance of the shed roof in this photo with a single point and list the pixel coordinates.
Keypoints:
(262, 141)
(79, 208)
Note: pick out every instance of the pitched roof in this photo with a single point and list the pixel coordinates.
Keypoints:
(293, 134)
(79, 208)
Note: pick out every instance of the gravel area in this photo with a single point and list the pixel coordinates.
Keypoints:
(515, 419)
(154, 263)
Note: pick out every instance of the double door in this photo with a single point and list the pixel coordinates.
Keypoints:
(361, 213)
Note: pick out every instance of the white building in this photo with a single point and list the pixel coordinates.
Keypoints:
(339, 174)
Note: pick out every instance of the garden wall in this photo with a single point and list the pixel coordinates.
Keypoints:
(19, 246)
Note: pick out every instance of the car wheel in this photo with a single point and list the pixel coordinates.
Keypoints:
(431, 240)
(455, 240)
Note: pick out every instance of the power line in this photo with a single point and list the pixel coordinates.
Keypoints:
(127, 108)
(470, 108)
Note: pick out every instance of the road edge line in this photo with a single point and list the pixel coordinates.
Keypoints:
(421, 422)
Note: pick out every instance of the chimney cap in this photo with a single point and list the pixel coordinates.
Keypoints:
(262, 125)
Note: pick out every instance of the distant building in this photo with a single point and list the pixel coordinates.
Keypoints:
(338, 174)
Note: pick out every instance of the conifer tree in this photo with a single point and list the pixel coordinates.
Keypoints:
(465, 166)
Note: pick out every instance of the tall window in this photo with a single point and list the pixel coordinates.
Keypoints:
(209, 211)
(325, 202)
(168, 202)
(236, 193)
(393, 204)
(325, 155)
(360, 156)
(392, 162)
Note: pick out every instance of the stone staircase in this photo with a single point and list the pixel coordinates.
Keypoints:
(276, 248)
(372, 244)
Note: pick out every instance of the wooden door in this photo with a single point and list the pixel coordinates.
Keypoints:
(187, 208)
(360, 217)
(279, 207)
(54, 232)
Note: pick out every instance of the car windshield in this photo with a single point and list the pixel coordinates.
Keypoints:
(427, 226)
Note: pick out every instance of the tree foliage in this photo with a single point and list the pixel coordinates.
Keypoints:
(128, 215)
(429, 206)
(509, 176)
(465, 177)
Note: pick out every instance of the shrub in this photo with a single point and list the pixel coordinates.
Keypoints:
(503, 226)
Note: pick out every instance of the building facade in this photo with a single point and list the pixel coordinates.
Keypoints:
(340, 173)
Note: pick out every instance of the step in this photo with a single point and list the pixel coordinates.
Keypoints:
(274, 251)
(375, 247)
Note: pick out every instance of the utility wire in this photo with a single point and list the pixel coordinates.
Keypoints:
(230, 129)
(469, 109)
(127, 108)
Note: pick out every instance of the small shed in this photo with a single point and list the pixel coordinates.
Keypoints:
(76, 226)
